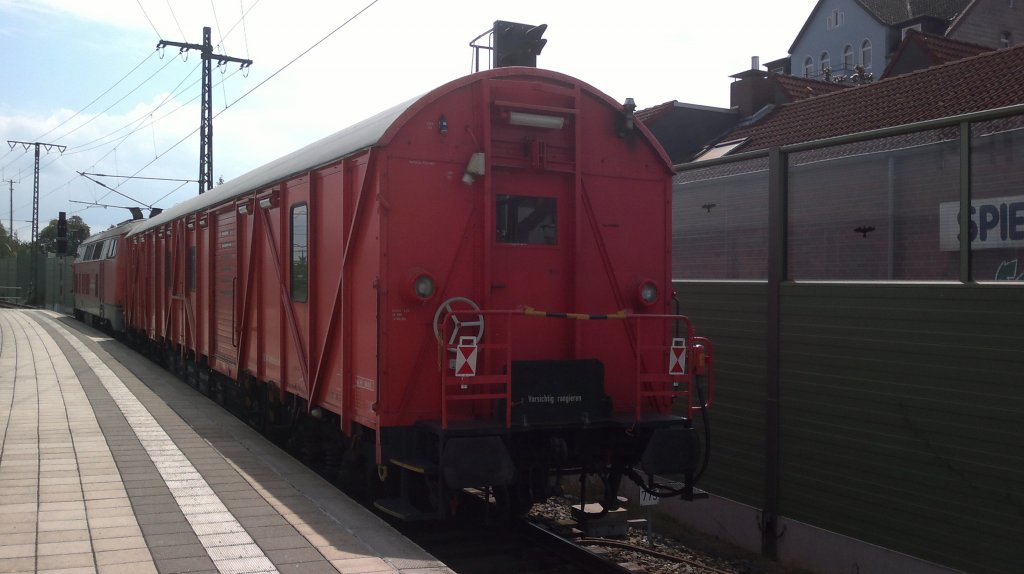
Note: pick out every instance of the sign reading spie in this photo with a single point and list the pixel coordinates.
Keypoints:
(996, 222)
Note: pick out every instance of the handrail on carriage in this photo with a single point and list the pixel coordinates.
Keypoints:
(669, 380)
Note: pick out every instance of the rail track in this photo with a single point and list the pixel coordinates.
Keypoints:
(516, 547)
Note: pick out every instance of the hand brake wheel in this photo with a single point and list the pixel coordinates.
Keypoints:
(472, 321)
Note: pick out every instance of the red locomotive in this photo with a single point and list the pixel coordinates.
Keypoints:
(466, 290)
(99, 281)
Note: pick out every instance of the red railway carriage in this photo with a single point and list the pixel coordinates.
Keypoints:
(99, 284)
(471, 286)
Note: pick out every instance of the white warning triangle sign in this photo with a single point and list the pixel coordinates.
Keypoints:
(677, 357)
(465, 357)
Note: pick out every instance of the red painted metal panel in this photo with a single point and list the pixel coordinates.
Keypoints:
(225, 267)
(363, 345)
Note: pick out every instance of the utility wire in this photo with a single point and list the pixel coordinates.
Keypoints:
(245, 34)
(267, 79)
(79, 112)
(121, 99)
(144, 13)
(169, 97)
(112, 150)
(90, 120)
(175, 16)
(101, 184)
(141, 177)
(296, 58)
(237, 100)
(216, 22)
(97, 98)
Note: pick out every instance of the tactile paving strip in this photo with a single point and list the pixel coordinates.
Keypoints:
(230, 548)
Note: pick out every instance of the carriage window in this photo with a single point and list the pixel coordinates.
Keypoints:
(112, 251)
(93, 252)
(529, 220)
(300, 252)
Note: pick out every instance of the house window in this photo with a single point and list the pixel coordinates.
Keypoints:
(835, 20)
(300, 252)
(825, 63)
(1004, 40)
(808, 67)
(865, 53)
(847, 57)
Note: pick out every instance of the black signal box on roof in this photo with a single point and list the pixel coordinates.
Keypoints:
(517, 44)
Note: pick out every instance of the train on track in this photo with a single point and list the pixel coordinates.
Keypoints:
(469, 290)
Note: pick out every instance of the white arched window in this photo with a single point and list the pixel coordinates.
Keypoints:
(824, 61)
(865, 53)
(808, 67)
(848, 57)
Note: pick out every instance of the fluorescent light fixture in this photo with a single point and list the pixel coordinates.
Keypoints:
(536, 120)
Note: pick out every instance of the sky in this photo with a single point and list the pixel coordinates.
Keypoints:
(87, 75)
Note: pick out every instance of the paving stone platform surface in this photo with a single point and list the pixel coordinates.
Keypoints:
(109, 464)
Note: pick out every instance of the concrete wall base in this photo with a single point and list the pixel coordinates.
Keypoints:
(800, 546)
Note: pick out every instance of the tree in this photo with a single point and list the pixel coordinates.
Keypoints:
(77, 232)
(8, 244)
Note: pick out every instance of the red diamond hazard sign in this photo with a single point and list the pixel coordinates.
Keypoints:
(677, 357)
(465, 357)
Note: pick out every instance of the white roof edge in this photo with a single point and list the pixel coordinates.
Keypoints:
(112, 231)
(704, 108)
(362, 135)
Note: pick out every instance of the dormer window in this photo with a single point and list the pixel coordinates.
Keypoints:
(915, 27)
(835, 20)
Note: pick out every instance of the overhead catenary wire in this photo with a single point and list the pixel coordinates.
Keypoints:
(245, 33)
(257, 86)
(171, 95)
(175, 17)
(121, 99)
(19, 157)
(183, 105)
(90, 120)
(97, 98)
(148, 19)
(77, 149)
(142, 177)
(303, 53)
(142, 124)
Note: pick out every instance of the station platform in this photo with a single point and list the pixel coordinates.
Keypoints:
(109, 464)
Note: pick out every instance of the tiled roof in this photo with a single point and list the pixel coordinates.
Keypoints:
(987, 81)
(892, 12)
(938, 49)
(655, 112)
(797, 88)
